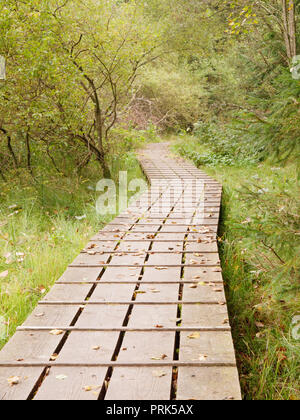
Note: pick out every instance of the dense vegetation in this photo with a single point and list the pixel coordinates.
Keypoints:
(88, 82)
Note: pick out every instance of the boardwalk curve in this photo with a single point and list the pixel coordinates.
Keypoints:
(141, 313)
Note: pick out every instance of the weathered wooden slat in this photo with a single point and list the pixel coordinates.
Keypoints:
(141, 311)
(146, 345)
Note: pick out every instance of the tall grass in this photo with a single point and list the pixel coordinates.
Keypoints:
(259, 248)
(40, 234)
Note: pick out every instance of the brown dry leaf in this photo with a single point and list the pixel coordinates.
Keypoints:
(216, 290)
(217, 270)
(226, 321)
(194, 335)
(87, 388)
(96, 348)
(196, 277)
(281, 357)
(13, 380)
(162, 357)
(54, 356)
(259, 324)
(159, 326)
(56, 332)
(193, 286)
(202, 357)
(160, 268)
(193, 262)
(41, 289)
(158, 373)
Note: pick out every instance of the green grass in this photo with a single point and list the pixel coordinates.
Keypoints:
(40, 235)
(259, 248)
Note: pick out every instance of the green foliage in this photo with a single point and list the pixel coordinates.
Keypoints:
(224, 147)
(88, 82)
(70, 73)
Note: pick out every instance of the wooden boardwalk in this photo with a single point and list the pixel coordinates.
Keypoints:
(141, 313)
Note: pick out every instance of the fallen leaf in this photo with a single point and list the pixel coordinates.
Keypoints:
(162, 357)
(13, 380)
(194, 335)
(158, 373)
(80, 217)
(96, 348)
(56, 332)
(202, 357)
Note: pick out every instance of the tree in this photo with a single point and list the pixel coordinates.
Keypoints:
(72, 69)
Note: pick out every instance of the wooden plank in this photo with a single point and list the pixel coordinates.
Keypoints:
(122, 265)
(156, 383)
(81, 345)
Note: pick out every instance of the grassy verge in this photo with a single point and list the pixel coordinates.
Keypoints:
(259, 248)
(43, 226)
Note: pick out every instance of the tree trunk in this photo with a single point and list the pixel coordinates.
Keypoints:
(289, 27)
(9, 146)
(29, 167)
(99, 129)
